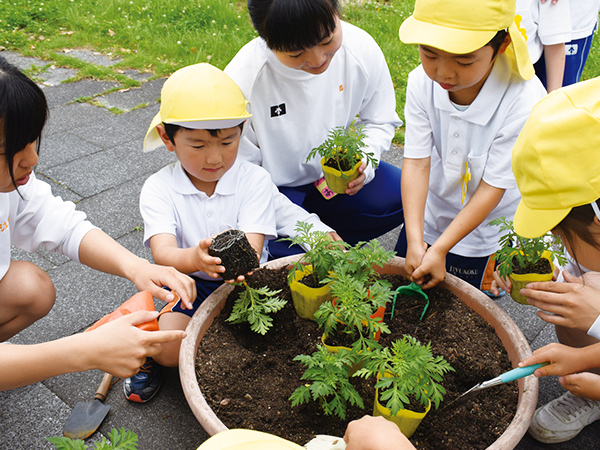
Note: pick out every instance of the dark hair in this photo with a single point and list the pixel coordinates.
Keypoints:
(23, 112)
(577, 224)
(292, 25)
(497, 41)
(172, 129)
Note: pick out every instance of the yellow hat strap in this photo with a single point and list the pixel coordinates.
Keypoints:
(465, 180)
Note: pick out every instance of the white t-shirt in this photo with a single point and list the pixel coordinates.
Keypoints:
(293, 111)
(36, 218)
(483, 135)
(544, 24)
(243, 199)
(584, 16)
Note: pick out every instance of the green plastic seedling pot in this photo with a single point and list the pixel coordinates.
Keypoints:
(338, 181)
(519, 281)
(306, 299)
(407, 420)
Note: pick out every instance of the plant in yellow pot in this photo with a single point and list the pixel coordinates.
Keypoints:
(525, 260)
(341, 155)
(308, 274)
(408, 378)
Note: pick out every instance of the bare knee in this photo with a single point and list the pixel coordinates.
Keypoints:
(27, 290)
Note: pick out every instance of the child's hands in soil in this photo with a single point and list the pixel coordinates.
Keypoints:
(432, 269)
(210, 265)
(571, 304)
(359, 182)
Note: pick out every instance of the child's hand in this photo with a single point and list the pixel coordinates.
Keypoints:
(120, 348)
(375, 433)
(414, 257)
(358, 183)
(500, 283)
(585, 384)
(564, 360)
(432, 269)
(570, 304)
(210, 265)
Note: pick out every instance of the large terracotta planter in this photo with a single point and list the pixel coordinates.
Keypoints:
(511, 336)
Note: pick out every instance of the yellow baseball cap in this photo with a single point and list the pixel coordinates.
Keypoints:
(555, 158)
(199, 96)
(463, 26)
(238, 439)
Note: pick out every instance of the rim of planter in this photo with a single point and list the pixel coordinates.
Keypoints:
(509, 333)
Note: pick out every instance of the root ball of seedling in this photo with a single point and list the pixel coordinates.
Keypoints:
(237, 255)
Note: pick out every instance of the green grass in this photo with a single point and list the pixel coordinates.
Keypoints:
(160, 37)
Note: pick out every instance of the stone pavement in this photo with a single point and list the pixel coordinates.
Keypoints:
(93, 157)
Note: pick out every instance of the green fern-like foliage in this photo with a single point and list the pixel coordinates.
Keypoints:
(329, 376)
(407, 368)
(321, 252)
(254, 306)
(516, 251)
(344, 148)
(117, 440)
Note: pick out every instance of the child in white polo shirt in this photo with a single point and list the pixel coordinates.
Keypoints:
(465, 106)
(208, 190)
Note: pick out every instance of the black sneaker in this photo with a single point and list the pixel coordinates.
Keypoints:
(143, 385)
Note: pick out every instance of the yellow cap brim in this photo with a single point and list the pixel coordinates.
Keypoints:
(247, 440)
(451, 40)
(532, 223)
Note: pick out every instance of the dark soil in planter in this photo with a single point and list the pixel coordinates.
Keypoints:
(335, 163)
(542, 266)
(237, 255)
(247, 378)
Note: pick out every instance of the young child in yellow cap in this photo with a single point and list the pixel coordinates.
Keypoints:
(208, 190)
(465, 106)
(557, 169)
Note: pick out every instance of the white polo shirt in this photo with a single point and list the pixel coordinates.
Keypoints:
(293, 111)
(584, 16)
(243, 199)
(37, 217)
(544, 24)
(482, 135)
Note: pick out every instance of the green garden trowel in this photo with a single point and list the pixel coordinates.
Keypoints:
(511, 375)
(412, 290)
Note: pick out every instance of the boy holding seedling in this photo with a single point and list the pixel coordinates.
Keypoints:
(208, 190)
(306, 74)
(465, 106)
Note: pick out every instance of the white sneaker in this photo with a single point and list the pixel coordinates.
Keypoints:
(563, 418)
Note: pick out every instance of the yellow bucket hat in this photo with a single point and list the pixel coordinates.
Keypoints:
(463, 26)
(199, 96)
(239, 439)
(555, 158)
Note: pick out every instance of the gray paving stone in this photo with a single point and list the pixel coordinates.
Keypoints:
(72, 116)
(60, 148)
(92, 57)
(128, 99)
(68, 92)
(22, 62)
(55, 76)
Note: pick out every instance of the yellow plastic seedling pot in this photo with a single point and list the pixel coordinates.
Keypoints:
(338, 181)
(519, 281)
(407, 420)
(306, 299)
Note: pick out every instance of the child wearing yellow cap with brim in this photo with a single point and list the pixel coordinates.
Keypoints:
(557, 169)
(465, 106)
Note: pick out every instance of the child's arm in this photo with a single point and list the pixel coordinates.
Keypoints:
(187, 260)
(256, 241)
(414, 187)
(566, 362)
(554, 59)
(477, 209)
(99, 251)
(117, 347)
